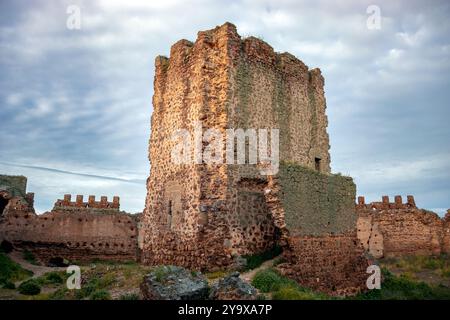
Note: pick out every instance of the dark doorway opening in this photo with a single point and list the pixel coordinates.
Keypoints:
(6, 246)
(317, 163)
(3, 203)
(56, 262)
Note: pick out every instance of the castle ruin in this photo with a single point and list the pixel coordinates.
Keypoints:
(72, 231)
(396, 229)
(204, 216)
(207, 216)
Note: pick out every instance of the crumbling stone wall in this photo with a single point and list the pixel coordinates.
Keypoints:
(446, 233)
(224, 81)
(316, 214)
(67, 204)
(13, 195)
(394, 229)
(75, 231)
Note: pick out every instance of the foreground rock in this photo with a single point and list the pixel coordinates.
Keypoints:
(232, 287)
(174, 283)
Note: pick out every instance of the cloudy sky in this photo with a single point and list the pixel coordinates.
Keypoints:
(75, 104)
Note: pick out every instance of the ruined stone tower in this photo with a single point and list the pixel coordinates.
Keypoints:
(203, 215)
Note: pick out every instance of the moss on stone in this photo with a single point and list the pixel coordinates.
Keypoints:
(316, 203)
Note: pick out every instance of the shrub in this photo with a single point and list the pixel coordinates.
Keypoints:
(269, 280)
(101, 295)
(9, 285)
(11, 271)
(30, 287)
(54, 278)
(283, 288)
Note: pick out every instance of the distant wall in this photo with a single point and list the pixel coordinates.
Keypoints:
(394, 229)
(104, 205)
(72, 232)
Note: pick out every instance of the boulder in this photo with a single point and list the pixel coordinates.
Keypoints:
(174, 283)
(232, 287)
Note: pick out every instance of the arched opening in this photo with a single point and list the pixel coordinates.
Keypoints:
(56, 262)
(6, 246)
(3, 204)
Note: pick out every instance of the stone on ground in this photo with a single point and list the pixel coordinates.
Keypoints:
(174, 283)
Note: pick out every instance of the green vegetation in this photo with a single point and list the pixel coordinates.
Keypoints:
(282, 288)
(95, 286)
(404, 288)
(29, 257)
(99, 281)
(101, 295)
(30, 287)
(129, 296)
(9, 285)
(11, 271)
(105, 280)
(440, 264)
(254, 261)
(52, 278)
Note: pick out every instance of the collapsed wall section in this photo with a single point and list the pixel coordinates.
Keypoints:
(317, 217)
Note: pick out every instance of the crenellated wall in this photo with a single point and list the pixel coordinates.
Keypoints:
(68, 204)
(73, 230)
(395, 229)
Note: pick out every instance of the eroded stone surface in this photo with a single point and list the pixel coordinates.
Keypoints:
(199, 215)
(174, 283)
(232, 287)
(316, 216)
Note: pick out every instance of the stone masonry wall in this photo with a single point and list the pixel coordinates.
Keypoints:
(13, 194)
(395, 229)
(201, 215)
(16, 185)
(316, 215)
(185, 221)
(72, 232)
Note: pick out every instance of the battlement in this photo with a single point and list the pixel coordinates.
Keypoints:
(386, 204)
(66, 203)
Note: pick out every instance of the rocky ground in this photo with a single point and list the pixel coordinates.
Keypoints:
(407, 278)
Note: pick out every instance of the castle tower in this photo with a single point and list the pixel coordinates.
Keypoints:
(203, 214)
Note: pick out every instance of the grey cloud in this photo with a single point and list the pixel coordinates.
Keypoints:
(80, 101)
